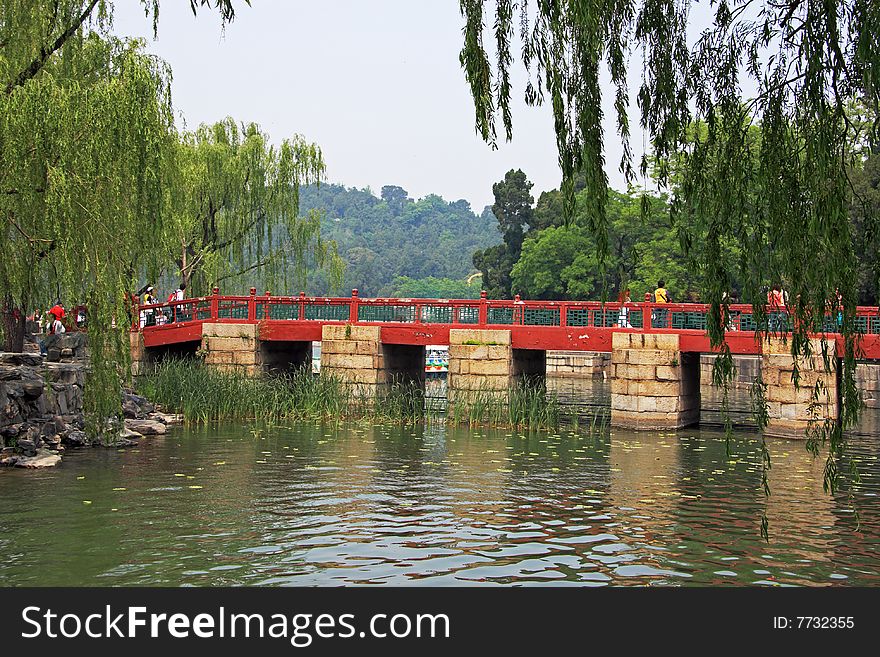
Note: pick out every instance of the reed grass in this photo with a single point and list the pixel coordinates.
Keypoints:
(203, 395)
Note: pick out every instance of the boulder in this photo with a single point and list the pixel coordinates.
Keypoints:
(166, 418)
(76, 439)
(44, 458)
(129, 409)
(146, 427)
(128, 434)
(75, 341)
(32, 389)
(10, 372)
(28, 360)
(28, 446)
(12, 430)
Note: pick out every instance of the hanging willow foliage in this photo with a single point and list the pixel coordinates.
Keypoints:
(86, 141)
(750, 122)
(87, 156)
(236, 219)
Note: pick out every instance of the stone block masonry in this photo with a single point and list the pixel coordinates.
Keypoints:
(792, 409)
(868, 381)
(356, 355)
(479, 360)
(485, 360)
(654, 385)
(578, 364)
(232, 347)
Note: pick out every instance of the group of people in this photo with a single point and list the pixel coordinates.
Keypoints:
(660, 295)
(777, 301)
(156, 316)
(49, 323)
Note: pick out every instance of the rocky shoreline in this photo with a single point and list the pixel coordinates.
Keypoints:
(41, 409)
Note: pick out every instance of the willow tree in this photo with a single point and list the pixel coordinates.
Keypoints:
(87, 148)
(790, 66)
(237, 210)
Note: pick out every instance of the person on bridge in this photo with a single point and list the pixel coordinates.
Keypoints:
(175, 312)
(148, 317)
(729, 317)
(661, 295)
(776, 308)
(623, 316)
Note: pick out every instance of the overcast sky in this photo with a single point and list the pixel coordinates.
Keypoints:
(376, 84)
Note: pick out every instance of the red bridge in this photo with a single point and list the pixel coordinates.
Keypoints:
(372, 343)
(535, 325)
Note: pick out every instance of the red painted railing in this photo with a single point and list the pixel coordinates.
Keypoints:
(469, 313)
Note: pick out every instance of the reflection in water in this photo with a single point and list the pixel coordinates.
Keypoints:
(364, 504)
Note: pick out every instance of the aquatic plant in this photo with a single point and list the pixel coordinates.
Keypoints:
(204, 395)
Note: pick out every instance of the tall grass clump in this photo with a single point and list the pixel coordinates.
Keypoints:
(524, 406)
(204, 395)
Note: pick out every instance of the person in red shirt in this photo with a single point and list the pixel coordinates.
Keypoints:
(776, 308)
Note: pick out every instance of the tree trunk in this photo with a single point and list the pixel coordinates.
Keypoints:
(13, 327)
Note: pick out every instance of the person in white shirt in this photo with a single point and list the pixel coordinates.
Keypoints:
(55, 327)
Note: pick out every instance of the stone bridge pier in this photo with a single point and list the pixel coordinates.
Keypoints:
(484, 360)
(654, 385)
(357, 355)
(791, 410)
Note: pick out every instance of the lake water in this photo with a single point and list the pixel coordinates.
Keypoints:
(358, 504)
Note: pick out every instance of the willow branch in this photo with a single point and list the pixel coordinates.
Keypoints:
(40, 60)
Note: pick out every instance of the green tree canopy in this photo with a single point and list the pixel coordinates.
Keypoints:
(87, 156)
(560, 261)
(404, 287)
(380, 239)
(237, 212)
(513, 209)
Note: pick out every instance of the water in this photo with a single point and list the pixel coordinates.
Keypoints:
(358, 504)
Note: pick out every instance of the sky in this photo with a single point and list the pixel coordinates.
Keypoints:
(376, 84)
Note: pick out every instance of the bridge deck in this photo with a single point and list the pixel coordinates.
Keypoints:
(542, 325)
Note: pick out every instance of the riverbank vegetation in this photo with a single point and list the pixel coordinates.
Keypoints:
(204, 395)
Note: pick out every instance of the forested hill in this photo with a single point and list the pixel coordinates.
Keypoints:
(383, 238)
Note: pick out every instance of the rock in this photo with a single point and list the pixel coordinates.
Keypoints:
(128, 434)
(10, 373)
(32, 389)
(53, 354)
(66, 373)
(28, 446)
(146, 427)
(129, 409)
(76, 439)
(12, 430)
(75, 341)
(166, 418)
(67, 353)
(44, 458)
(28, 360)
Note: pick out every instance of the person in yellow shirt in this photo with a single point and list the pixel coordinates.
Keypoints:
(661, 295)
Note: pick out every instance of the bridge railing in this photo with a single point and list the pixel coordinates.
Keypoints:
(475, 312)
